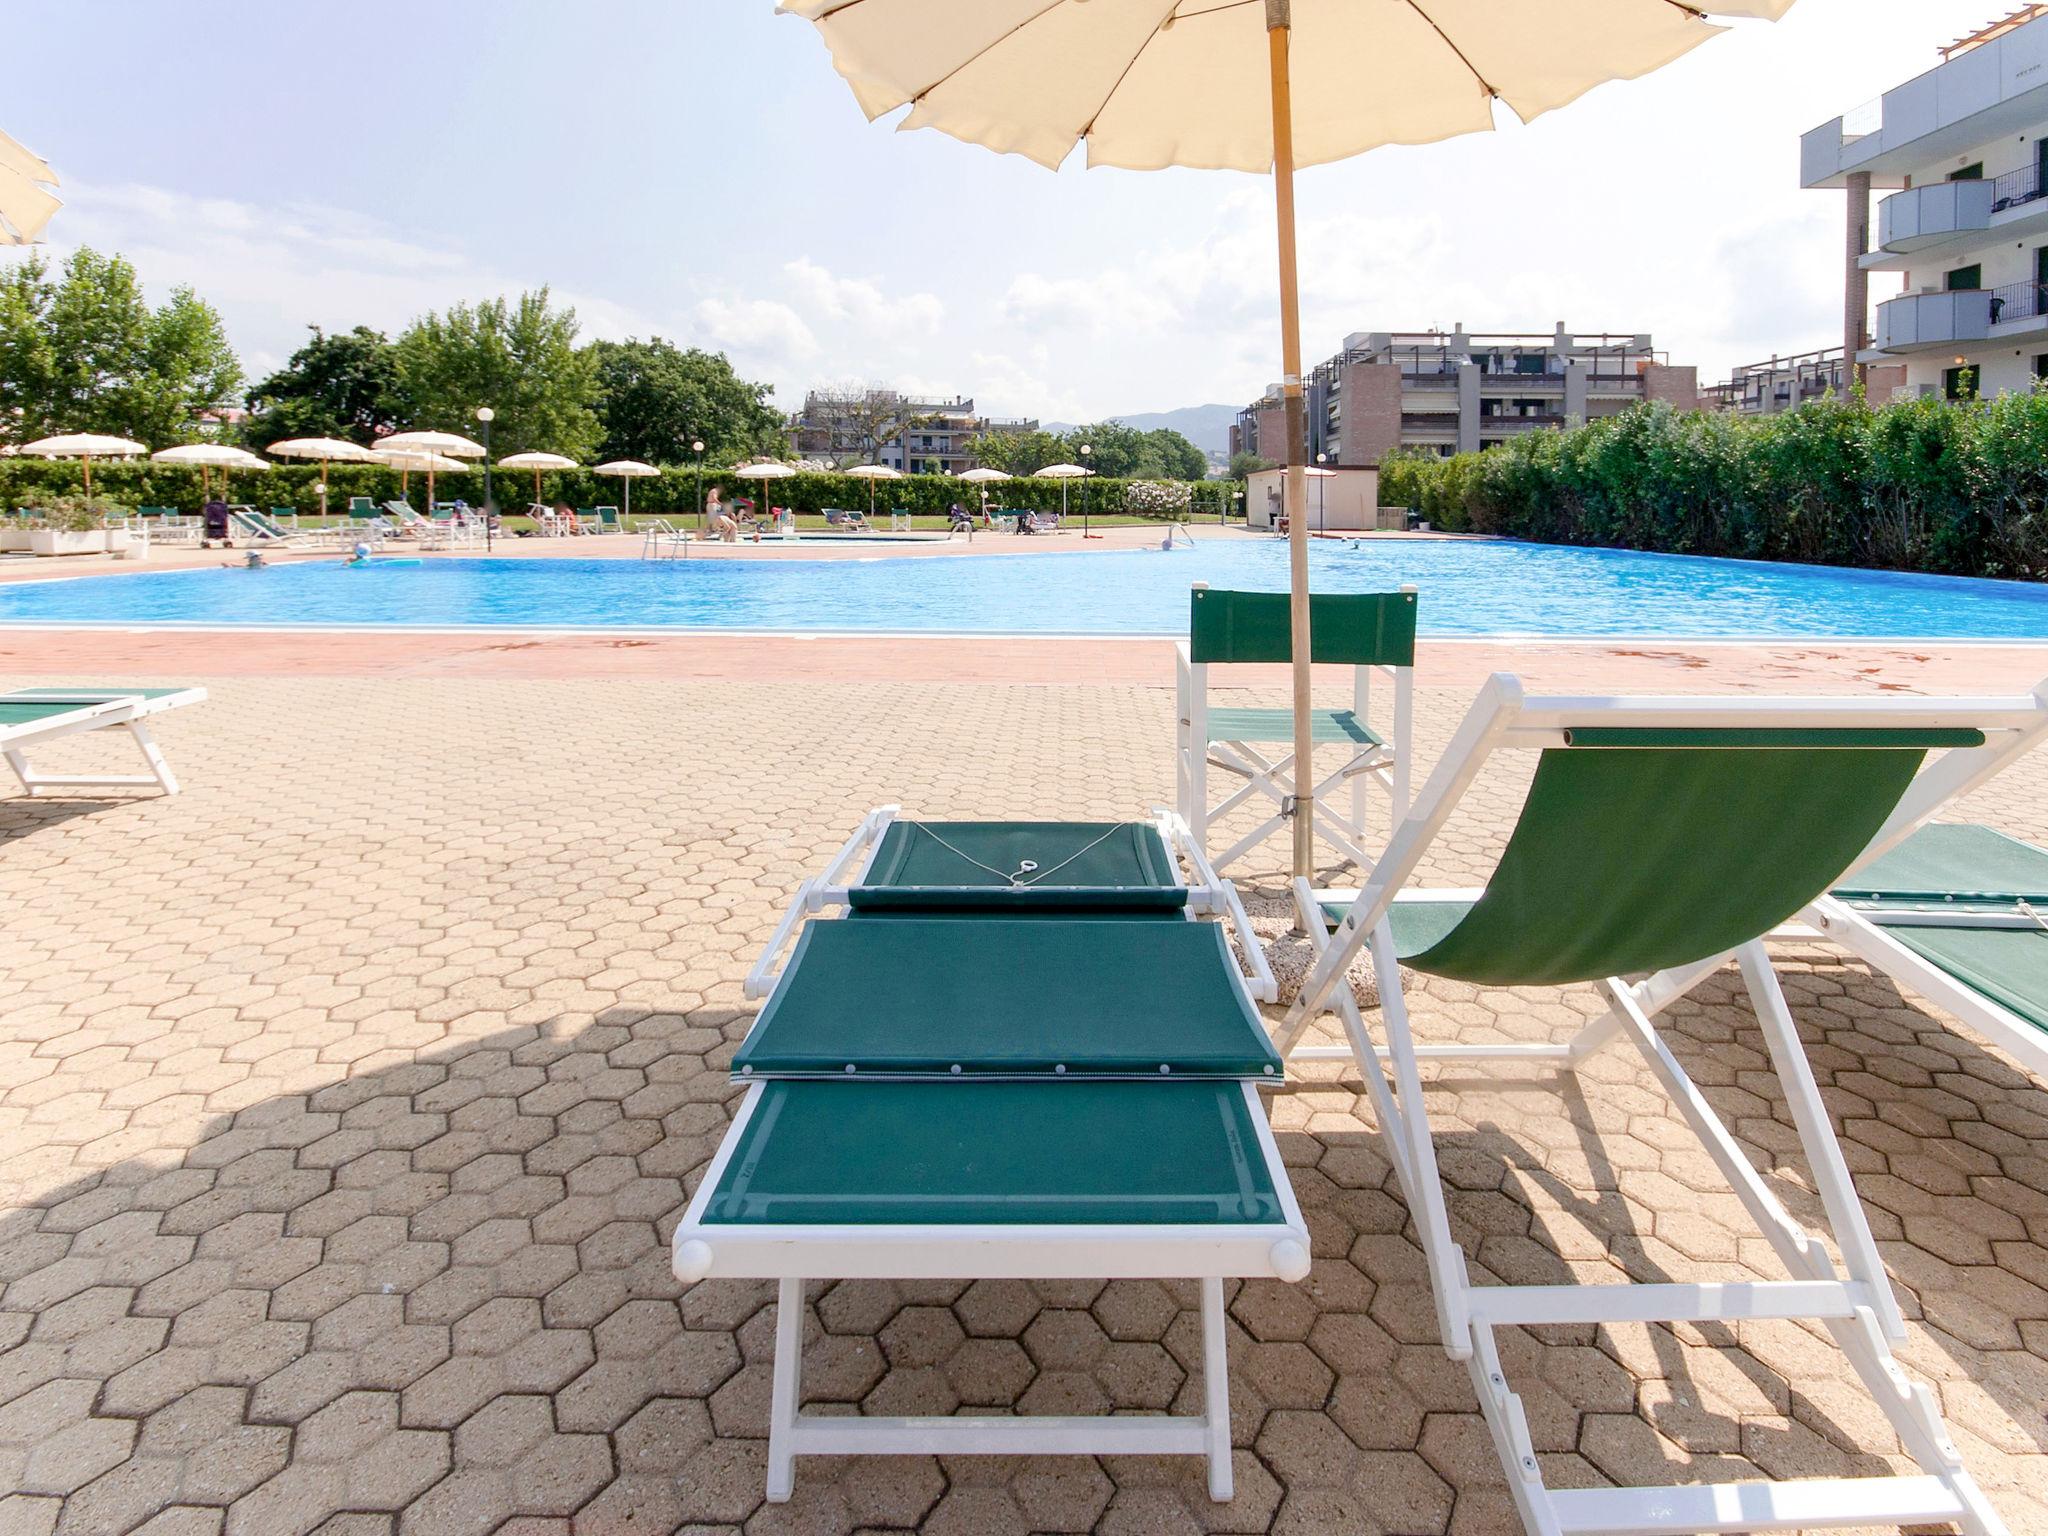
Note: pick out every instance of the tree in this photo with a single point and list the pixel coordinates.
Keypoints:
(85, 353)
(654, 399)
(521, 359)
(1170, 456)
(1244, 464)
(1018, 453)
(345, 385)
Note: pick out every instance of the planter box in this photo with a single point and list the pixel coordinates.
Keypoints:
(123, 545)
(56, 541)
(13, 540)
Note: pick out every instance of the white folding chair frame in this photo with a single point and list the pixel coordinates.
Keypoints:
(1857, 1307)
(1208, 896)
(127, 711)
(1385, 766)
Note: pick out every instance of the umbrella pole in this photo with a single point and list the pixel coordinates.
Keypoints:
(323, 490)
(1279, 27)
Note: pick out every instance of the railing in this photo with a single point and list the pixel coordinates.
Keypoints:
(2015, 188)
(2019, 301)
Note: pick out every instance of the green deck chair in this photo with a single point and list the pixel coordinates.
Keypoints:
(1662, 836)
(1367, 632)
(1957, 914)
(35, 717)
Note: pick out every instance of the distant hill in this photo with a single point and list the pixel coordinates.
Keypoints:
(1206, 426)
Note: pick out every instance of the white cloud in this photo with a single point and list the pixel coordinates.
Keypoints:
(861, 302)
(765, 330)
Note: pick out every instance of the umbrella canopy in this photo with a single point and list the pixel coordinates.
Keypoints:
(1062, 473)
(628, 470)
(447, 444)
(769, 471)
(984, 476)
(1210, 84)
(536, 462)
(871, 473)
(326, 450)
(25, 202)
(207, 457)
(87, 446)
(415, 461)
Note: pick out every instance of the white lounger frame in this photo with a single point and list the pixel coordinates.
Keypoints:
(1857, 1309)
(105, 709)
(1209, 896)
(1210, 1253)
(1384, 767)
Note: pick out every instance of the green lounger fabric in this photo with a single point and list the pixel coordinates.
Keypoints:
(1634, 858)
(996, 996)
(32, 706)
(1959, 869)
(1324, 725)
(1081, 866)
(1945, 863)
(1014, 1154)
(1345, 628)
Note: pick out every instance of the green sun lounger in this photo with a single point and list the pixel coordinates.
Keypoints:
(1664, 836)
(1959, 915)
(34, 717)
(977, 1073)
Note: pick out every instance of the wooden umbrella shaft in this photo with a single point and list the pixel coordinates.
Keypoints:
(1278, 35)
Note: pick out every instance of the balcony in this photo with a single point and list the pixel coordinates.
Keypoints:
(1924, 216)
(2019, 301)
(1919, 321)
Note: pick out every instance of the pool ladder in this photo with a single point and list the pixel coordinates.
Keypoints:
(661, 540)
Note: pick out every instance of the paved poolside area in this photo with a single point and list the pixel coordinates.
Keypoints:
(347, 1101)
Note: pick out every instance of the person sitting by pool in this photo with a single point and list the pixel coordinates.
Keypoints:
(565, 519)
(1024, 527)
(957, 516)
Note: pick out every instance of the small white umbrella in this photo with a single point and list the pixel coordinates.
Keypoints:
(409, 463)
(87, 446)
(326, 450)
(871, 473)
(25, 205)
(207, 457)
(627, 470)
(447, 444)
(1062, 473)
(766, 472)
(536, 462)
(984, 476)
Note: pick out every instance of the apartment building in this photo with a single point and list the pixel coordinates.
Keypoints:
(1458, 391)
(1962, 153)
(906, 432)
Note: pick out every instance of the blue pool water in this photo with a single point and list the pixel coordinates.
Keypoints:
(1471, 587)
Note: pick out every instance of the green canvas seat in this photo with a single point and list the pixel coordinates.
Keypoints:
(996, 996)
(1659, 838)
(34, 717)
(1372, 634)
(1020, 865)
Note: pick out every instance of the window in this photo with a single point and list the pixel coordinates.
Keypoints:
(1959, 383)
(2041, 365)
(1968, 173)
(1967, 278)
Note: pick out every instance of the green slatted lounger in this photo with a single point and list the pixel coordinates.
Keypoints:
(35, 717)
(1368, 632)
(969, 1077)
(1956, 915)
(1663, 836)
(891, 863)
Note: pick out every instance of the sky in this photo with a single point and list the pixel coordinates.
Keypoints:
(694, 169)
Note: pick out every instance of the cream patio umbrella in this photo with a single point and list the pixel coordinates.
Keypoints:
(25, 202)
(871, 473)
(326, 450)
(409, 463)
(87, 446)
(769, 471)
(536, 462)
(1210, 84)
(627, 470)
(1062, 473)
(207, 457)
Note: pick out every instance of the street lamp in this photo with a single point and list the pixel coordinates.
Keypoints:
(1086, 450)
(1322, 522)
(1223, 516)
(486, 415)
(697, 447)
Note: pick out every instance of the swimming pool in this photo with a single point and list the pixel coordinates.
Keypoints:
(1468, 588)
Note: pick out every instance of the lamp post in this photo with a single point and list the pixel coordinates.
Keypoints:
(486, 415)
(1086, 450)
(697, 447)
(1321, 520)
(1223, 516)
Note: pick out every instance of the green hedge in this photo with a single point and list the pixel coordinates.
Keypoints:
(31, 482)
(1921, 485)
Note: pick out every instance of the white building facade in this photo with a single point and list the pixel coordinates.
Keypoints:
(1960, 156)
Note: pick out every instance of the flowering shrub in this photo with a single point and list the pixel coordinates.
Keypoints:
(1157, 498)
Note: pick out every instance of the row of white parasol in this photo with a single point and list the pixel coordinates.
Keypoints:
(429, 453)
